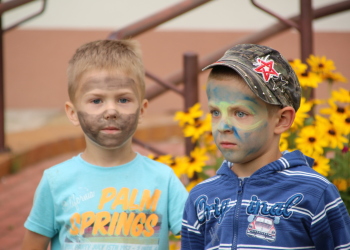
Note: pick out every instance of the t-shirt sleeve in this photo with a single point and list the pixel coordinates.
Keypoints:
(41, 218)
(176, 203)
(330, 227)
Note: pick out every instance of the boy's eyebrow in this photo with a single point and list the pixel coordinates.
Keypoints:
(252, 99)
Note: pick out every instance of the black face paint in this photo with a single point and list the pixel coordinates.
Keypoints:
(110, 84)
(93, 125)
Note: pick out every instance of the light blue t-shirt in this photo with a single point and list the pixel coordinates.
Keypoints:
(86, 207)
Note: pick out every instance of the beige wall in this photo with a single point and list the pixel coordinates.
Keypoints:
(36, 60)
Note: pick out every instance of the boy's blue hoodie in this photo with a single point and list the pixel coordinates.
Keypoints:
(283, 205)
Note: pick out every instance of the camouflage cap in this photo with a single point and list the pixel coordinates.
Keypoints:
(266, 72)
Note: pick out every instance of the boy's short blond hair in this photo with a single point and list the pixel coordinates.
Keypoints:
(120, 55)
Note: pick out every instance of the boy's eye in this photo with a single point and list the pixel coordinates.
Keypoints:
(96, 101)
(215, 113)
(123, 100)
(240, 114)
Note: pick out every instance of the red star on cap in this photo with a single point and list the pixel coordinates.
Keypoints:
(266, 68)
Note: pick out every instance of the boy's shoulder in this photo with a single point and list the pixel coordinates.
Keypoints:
(154, 165)
(63, 164)
(207, 185)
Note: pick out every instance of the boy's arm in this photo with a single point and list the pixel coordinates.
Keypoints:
(34, 241)
(330, 228)
(191, 236)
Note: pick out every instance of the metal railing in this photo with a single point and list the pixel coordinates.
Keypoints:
(6, 6)
(192, 65)
(302, 23)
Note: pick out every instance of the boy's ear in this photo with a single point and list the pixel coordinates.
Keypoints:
(71, 113)
(143, 107)
(285, 119)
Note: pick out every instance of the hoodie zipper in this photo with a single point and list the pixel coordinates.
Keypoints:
(236, 218)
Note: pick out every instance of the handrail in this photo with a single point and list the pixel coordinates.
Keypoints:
(43, 7)
(176, 77)
(289, 22)
(156, 19)
(6, 6)
(12, 4)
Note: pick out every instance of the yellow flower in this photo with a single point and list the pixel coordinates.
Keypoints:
(193, 183)
(197, 161)
(284, 141)
(310, 141)
(165, 159)
(209, 143)
(334, 77)
(321, 164)
(320, 64)
(309, 79)
(343, 122)
(180, 165)
(341, 95)
(189, 117)
(298, 66)
(341, 184)
(174, 246)
(331, 132)
(334, 110)
(302, 113)
(198, 129)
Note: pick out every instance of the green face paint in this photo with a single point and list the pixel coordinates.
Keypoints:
(240, 121)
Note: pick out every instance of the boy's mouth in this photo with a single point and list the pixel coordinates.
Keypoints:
(228, 145)
(110, 130)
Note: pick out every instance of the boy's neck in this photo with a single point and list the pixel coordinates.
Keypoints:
(108, 158)
(248, 168)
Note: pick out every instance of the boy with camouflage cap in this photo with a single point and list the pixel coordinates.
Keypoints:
(261, 198)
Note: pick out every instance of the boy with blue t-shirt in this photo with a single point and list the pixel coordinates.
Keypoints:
(261, 198)
(108, 197)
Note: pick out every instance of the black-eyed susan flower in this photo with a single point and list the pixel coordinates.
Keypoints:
(334, 110)
(341, 184)
(343, 122)
(309, 79)
(209, 143)
(193, 183)
(320, 64)
(165, 159)
(298, 67)
(197, 161)
(310, 141)
(321, 164)
(189, 117)
(198, 128)
(284, 142)
(341, 95)
(334, 77)
(331, 132)
(180, 165)
(302, 113)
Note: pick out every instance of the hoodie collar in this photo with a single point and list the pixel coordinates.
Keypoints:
(288, 160)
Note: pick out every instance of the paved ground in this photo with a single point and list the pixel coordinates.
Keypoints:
(16, 195)
(41, 146)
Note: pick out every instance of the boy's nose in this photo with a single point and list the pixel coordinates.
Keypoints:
(110, 114)
(223, 126)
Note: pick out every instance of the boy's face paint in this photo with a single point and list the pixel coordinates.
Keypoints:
(240, 120)
(108, 106)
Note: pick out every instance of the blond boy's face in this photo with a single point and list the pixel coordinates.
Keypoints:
(240, 120)
(108, 106)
